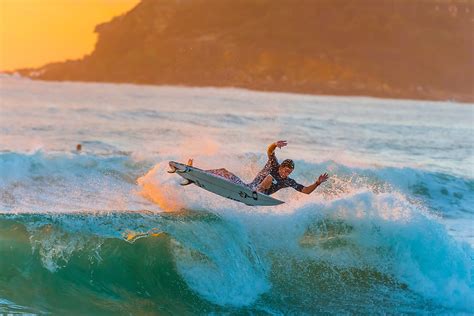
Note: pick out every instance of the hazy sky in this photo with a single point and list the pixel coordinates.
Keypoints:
(35, 32)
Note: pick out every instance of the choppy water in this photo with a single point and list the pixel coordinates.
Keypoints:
(390, 232)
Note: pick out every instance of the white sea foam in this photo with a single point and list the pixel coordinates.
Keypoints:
(399, 202)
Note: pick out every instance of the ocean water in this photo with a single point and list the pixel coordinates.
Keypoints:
(106, 231)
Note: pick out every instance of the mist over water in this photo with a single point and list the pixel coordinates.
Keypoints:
(107, 230)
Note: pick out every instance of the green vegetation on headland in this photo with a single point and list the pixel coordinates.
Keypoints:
(417, 49)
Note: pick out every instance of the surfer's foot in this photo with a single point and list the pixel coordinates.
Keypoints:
(190, 162)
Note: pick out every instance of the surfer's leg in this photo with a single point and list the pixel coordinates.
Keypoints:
(255, 183)
(222, 172)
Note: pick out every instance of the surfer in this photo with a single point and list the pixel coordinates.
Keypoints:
(274, 176)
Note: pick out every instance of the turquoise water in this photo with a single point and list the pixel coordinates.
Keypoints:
(108, 231)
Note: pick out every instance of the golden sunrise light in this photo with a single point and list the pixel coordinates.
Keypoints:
(192, 157)
(36, 32)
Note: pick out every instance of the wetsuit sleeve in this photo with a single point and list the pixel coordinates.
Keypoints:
(295, 185)
(271, 150)
(271, 154)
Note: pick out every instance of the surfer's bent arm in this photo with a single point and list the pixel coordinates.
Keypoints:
(309, 189)
(265, 184)
(271, 149)
(273, 146)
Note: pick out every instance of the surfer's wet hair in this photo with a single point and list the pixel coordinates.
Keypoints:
(288, 163)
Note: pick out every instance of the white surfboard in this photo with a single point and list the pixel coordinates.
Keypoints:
(221, 186)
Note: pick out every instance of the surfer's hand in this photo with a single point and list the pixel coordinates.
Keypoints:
(322, 178)
(281, 143)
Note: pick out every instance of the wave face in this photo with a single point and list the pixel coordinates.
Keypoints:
(199, 262)
(378, 240)
(108, 231)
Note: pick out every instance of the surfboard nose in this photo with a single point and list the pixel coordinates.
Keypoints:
(177, 167)
(172, 167)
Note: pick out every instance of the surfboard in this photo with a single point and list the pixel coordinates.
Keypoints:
(221, 186)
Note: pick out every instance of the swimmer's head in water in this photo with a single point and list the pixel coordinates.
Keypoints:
(286, 167)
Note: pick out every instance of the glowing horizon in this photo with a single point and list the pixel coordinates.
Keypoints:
(37, 32)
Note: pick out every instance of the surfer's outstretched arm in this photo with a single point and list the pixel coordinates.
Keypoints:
(273, 146)
(309, 189)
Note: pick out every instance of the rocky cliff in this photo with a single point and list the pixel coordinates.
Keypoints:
(419, 49)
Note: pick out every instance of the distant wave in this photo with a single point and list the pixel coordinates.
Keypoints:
(42, 181)
(87, 178)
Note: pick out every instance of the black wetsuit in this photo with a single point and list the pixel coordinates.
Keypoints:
(271, 167)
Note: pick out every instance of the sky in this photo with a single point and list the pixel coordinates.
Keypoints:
(36, 32)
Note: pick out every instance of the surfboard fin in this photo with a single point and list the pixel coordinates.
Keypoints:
(186, 182)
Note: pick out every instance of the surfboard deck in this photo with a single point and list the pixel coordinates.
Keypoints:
(221, 186)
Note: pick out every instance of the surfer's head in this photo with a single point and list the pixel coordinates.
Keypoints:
(286, 167)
